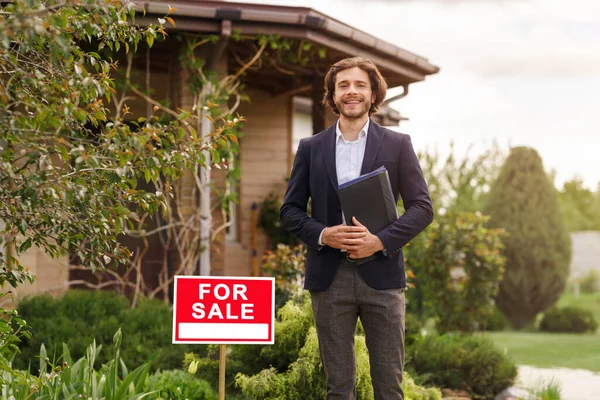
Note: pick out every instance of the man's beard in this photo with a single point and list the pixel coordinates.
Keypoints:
(353, 112)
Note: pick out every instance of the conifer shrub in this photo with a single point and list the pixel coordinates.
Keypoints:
(524, 202)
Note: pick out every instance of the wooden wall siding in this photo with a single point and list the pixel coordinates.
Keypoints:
(264, 158)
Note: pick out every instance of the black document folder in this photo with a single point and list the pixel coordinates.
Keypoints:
(369, 198)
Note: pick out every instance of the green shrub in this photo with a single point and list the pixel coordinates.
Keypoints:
(524, 202)
(289, 369)
(287, 265)
(495, 321)
(179, 385)
(470, 363)
(305, 378)
(568, 320)
(412, 327)
(81, 316)
(458, 268)
(590, 282)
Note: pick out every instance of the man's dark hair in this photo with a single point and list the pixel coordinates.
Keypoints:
(378, 84)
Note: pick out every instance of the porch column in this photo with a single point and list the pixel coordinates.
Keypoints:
(318, 109)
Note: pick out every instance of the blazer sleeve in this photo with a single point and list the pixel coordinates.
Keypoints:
(293, 212)
(417, 202)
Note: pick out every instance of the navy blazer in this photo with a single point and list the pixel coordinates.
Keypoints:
(314, 177)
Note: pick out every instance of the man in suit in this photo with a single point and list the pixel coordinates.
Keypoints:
(342, 291)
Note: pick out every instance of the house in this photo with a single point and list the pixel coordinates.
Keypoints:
(284, 108)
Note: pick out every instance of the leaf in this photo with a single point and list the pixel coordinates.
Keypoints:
(234, 139)
(183, 115)
(25, 245)
(149, 38)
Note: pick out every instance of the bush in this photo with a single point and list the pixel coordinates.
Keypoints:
(470, 363)
(179, 385)
(412, 327)
(568, 320)
(305, 378)
(524, 202)
(590, 282)
(81, 316)
(287, 265)
(458, 268)
(291, 368)
(495, 321)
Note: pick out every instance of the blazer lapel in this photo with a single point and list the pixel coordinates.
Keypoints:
(329, 155)
(374, 139)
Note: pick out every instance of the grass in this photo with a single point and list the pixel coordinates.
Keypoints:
(588, 301)
(547, 350)
(547, 390)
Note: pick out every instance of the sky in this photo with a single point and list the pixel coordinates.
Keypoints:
(517, 72)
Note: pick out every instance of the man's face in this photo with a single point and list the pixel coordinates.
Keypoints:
(353, 96)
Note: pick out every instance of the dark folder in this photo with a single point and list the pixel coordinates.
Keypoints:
(369, 198)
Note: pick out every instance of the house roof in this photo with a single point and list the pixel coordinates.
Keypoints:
(400, 67)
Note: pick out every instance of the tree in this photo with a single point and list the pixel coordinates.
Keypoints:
(460, 183)
(580, 205)
(524, 203)
(69, 167)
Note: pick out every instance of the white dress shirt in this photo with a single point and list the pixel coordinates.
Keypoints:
(348, 158)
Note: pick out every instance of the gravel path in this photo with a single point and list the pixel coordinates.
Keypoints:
(575, 384)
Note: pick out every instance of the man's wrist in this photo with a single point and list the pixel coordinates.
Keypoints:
(379, 244)
(322, 238)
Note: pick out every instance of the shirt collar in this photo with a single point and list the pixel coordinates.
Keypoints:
(362, 134)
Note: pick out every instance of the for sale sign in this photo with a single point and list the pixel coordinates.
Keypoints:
(223, 310)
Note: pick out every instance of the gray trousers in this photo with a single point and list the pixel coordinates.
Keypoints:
(382, 315)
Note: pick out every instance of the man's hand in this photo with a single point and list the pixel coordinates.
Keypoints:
(369, 245)
(344, 237)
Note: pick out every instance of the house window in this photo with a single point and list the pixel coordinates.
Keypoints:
(301, 120)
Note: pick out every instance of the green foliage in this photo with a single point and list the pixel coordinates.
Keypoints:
(460, 183)
(79, 317)
(287, 264)
(412, 391)
(470, 363)
(590, 282)
(69, 167)
(458, 267)
(305, 378)
(495, 321)
(270, 222)
(179, 385)
(568, 320)
(412, 328)
(547, 390)
(580, 206)
(80, 379)
(291, 328)
(291, 368)
(538, 247)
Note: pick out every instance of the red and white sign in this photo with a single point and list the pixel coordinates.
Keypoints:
(224, 310)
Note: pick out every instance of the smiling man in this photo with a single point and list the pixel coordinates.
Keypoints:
(342, 291)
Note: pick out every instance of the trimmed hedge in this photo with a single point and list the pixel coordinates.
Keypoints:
(81, 316)
(568, 320)
(455, 361)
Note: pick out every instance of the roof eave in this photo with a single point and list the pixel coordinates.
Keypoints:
(294, 22)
